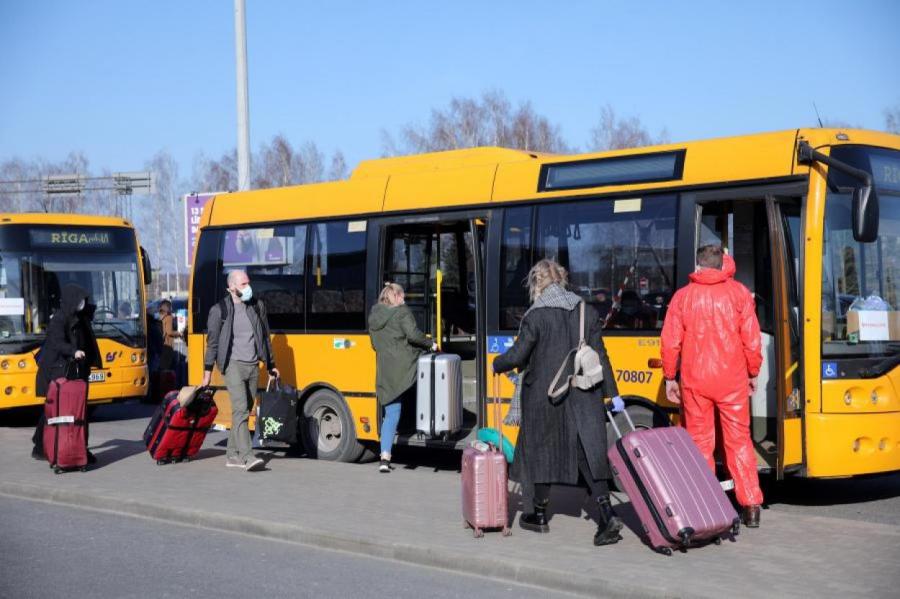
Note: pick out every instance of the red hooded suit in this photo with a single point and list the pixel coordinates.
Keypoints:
(711, 326)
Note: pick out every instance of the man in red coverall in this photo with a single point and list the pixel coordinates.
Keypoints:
(711, 326)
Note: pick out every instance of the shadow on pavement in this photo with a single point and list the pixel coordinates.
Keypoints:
(825, 492)
(115, 450)
(131, 410)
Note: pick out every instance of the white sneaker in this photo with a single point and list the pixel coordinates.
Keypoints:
(254, 463)
(234, 462)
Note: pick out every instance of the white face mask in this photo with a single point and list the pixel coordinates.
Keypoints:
(246, 294)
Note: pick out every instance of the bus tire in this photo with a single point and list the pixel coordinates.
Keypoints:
(327, 431)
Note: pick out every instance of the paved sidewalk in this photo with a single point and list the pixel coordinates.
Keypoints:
(413, 515)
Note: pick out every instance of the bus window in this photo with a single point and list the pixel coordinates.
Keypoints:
(608, 245)
(337, 276)
(274, 259)
(516, 257)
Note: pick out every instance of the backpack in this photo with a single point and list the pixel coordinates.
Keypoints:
(588, 372)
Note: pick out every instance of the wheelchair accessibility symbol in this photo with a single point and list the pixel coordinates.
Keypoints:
(829, 370)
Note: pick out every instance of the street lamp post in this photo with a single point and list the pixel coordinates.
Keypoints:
(243, 102)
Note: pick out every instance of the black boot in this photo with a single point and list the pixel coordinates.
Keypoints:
(610, 524)
(536, 522)
(751, 516)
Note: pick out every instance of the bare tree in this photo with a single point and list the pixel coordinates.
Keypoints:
(215, 175)
(616, 133)
(338, 168)
(892, 120)
(487, 121)
(164, 217)
(275, 164)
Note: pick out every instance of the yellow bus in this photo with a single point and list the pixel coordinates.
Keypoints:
(41, 253)
(811, 217)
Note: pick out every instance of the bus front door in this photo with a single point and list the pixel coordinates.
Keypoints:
(761, 233)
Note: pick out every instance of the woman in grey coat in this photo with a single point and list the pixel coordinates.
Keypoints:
(562, 438)
(398, 342)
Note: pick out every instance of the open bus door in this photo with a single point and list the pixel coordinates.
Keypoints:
(760, 229)
(783, 214)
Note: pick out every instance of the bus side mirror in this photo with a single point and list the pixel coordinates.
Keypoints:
(145, 262)
(865, 214)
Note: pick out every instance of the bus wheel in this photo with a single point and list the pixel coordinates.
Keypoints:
(327, 432)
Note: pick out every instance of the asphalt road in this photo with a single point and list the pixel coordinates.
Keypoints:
(56, 551)
(869, 499)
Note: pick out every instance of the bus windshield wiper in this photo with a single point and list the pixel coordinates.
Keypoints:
(131, 340)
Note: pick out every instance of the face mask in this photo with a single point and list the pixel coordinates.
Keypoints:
(81, 306)
(158, 316)
(246, 294)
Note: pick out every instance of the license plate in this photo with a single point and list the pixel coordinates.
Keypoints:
(97, 377)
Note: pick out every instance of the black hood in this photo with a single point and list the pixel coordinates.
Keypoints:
(71, 296)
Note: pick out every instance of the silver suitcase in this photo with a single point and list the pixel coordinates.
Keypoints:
(439, 409)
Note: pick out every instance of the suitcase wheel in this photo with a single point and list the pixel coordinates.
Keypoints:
(161, 462)
(717, 540)
(57, 470)
(665, 550)
(478, 533)
(736, 528)
(507, 531)
(84, 469)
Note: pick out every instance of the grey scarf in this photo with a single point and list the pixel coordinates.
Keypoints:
(554, 296)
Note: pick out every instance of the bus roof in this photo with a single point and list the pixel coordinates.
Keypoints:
(459, 178)
(45, 218)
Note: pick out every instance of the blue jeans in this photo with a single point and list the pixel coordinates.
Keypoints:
(389, 425)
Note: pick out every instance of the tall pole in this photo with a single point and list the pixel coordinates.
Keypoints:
(243, 101)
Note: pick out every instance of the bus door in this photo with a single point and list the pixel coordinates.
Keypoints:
(440, 266)
(761, 232)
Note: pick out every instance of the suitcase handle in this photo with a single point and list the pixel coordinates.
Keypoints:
(498, 420)
(612, 421)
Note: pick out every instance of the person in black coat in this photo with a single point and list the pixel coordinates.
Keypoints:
(562, 438)
(70, 350)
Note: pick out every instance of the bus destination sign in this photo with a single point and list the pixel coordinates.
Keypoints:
(71, 238)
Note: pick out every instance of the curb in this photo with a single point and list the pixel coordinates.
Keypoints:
(431, 556)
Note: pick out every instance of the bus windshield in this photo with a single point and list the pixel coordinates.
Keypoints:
(36, 262)
(861, 281)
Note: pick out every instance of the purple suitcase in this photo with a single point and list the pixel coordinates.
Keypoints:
(485, 501)
(676, 496)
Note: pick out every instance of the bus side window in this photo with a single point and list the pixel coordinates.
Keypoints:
(336, 277)
(516, 258)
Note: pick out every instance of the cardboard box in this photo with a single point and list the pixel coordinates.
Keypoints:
(873, 326)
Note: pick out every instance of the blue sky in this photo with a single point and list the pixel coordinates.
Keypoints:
(121, 80)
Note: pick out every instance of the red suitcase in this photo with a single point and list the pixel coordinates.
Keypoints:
(484, 483)
(177, 432)
(677, 498)
(65, 429)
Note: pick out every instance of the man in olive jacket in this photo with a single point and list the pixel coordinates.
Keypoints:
(237, 339)
(398, 342)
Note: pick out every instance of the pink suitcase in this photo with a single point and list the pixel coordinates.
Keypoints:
(677, 498)
(484, 483)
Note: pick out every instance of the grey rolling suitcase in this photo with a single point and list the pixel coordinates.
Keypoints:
(439, 407)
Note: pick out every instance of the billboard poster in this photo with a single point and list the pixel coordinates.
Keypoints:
(193, 208)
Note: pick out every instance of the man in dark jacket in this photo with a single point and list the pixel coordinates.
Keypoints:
(237, 339)
(564, 438)
(70, 350)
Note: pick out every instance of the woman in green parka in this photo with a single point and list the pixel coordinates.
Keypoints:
(398, 343)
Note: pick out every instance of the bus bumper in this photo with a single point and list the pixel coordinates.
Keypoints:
(850, 444)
